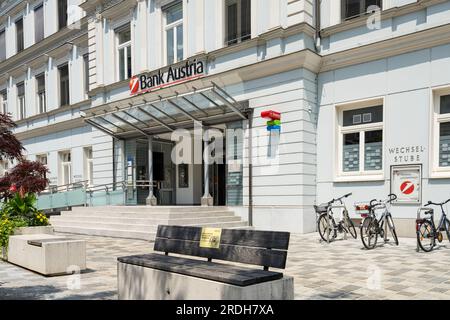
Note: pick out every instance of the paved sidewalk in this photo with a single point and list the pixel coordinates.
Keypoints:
(340, 270)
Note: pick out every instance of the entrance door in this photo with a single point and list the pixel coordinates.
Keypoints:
(217, 181)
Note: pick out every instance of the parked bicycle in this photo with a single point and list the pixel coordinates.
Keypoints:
(371, 227)
(427, 232)
(327, 225)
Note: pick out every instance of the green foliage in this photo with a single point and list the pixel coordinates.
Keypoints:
(18, 206)
(7, 227)
(19, 211)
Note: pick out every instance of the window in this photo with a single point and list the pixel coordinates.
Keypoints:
(40, 91)
(42, 158)
(238, 21)
(174, 33)
(361, 136)
(38, 23)
(3, 101)
(443, 122)
(62, 14)
(66, 168)
(4, 166)
(86, 72)
(2, 45)
(19, 35)
(124, 51)
(64, 85)
(21, 100)
(355, 8)
(88, 166)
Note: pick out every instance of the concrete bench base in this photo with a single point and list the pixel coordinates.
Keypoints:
(141, 283)
(53, 255)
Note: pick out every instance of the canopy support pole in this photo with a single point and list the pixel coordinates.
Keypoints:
(151, 199)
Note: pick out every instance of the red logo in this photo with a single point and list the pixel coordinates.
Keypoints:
(134, 84)
(407, 187)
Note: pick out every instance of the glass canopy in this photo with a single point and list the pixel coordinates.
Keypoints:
(137, 116)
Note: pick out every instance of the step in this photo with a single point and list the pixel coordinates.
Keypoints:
(114, 233)
(55, 221)
(152, 209)
(146, 215)
(131, 234)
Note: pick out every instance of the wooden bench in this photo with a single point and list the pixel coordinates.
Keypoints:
(47, 254)
(163, 276)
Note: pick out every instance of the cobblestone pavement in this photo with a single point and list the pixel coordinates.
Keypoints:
(339, 270)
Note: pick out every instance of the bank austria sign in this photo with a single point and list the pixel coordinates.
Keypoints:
(175, 74)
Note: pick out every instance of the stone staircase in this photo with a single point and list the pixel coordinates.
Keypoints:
(140, 222)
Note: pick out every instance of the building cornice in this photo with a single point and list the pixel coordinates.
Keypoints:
(387, 48)
(385, 14)
(44, 130)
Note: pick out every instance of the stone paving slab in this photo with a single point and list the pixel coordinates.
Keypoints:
(339, 270)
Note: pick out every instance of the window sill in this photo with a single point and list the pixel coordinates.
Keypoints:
(360, 178)
(440, 174)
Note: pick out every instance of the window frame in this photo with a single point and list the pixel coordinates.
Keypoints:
(21, 107)
(60, 84)
(362, 12)
(340, 130)
(86, 73)
(62, 24)
(4, 103)
(37, 7)
(62, 167)
(173, 25)
(436, 119)
(3, 30)
(239, 38)
(41, 94)
(22, 41)
(126, 46)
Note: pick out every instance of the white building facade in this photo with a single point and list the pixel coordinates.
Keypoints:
(361, 95)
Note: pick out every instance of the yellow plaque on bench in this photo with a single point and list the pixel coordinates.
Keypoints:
(210, 238)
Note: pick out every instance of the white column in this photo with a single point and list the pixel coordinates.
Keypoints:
(206, 200)
(151, 199)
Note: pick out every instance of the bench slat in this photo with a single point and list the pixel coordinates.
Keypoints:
(202, 269)
(249, 255)
(39, 242)
(249, 238)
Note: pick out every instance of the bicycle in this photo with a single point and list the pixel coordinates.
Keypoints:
(326, 224)
(371, 227)
(426, 230)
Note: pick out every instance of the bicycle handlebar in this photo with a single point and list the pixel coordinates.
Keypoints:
(339, 199)
(391, 196)
(436, 204)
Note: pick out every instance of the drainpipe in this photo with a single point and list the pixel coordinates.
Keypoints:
(250, 168)
(317, 25)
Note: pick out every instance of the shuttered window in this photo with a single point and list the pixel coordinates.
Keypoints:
(38, 23)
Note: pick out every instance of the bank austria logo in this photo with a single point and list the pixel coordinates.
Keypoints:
(134, 85)
(175, 74)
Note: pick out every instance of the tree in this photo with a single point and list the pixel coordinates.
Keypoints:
(10, 147)
(26, 176)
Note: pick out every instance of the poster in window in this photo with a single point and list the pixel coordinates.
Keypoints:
(406, 183)
(183, 176)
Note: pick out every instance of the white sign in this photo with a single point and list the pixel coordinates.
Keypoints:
(406, 183)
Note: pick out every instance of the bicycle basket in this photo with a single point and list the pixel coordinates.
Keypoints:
(321, 208)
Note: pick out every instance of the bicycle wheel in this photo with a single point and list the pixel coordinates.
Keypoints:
(447, 228)
(391, 225)
(326, 231)
(425, 236)
(350, 226)
(369, 234)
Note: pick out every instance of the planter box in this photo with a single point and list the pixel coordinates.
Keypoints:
(34, 230)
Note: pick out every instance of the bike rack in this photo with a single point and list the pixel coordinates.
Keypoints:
(340, 206)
